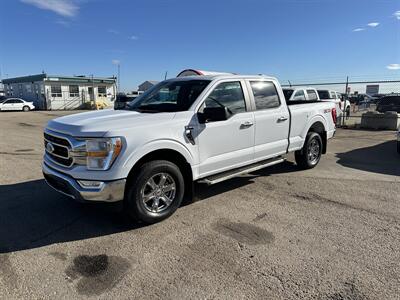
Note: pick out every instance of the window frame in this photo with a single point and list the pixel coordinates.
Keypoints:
(213, 85)
(102, 94)
(251, 94)
(55, 95)
(73, 94)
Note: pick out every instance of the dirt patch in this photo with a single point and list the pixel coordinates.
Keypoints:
(59, 255)
(349, 292)
(96, 274)
(26, 124)
(244, 232)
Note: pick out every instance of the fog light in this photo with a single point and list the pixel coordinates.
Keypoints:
(90, 184)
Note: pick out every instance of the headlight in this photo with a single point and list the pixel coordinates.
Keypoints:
(102, 152)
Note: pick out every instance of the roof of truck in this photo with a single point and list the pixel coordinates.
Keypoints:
(222, 76)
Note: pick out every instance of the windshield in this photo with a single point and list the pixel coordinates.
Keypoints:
(288, 93)
(169, 96)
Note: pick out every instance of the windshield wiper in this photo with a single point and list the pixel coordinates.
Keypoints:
(143, 110)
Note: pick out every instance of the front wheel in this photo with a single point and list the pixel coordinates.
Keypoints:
(308, 157)
(156, 192)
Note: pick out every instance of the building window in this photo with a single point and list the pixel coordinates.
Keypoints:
(56, 91)
(74, 91)
(102, 91)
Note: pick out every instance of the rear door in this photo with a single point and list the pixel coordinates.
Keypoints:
(271, 119)
(226, 144)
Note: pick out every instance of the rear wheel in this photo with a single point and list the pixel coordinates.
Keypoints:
(309, 156)
(156, 192)
(26, 108)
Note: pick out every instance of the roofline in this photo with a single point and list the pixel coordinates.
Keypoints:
(47, 77)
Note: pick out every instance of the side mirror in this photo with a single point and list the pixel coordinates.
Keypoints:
(214, 114)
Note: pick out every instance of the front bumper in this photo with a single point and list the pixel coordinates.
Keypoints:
(110, 191)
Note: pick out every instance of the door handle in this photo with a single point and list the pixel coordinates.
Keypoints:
(246, 124)
(282, 119)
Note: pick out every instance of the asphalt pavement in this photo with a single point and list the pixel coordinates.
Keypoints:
(328, 233)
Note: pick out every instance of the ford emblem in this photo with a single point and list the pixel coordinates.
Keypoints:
(50, 147)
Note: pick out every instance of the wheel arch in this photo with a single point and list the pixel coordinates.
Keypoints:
(319, 127)
(171, 155)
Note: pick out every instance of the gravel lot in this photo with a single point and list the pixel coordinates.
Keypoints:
(328, 233)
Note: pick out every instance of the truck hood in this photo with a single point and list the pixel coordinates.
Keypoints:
(98, 123)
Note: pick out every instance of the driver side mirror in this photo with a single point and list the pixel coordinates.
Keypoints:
(213, 114)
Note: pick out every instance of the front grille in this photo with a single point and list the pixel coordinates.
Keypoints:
(56, 140)
(61, 148)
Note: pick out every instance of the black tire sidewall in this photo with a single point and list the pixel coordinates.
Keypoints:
(134, 199)
(312, 136)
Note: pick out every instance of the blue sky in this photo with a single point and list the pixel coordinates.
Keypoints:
(289, 39)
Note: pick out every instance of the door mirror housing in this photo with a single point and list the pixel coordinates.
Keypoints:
(213, 114)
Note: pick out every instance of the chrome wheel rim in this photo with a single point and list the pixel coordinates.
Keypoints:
(158, 192)
(314, 151)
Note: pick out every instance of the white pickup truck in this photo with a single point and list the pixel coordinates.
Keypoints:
(187, 129)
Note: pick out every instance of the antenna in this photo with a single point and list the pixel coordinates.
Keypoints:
(165, 76)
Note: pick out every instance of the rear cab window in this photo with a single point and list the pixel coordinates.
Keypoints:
(299, 95)
(265, 95)
(312, 95)
(323, 94)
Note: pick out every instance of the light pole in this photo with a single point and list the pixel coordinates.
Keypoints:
(118, 64)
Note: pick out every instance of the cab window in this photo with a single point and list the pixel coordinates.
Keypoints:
(299, 96)
(265, 95)
(312, 95)
(227, 94)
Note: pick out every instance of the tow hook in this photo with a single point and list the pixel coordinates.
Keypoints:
(189, 135)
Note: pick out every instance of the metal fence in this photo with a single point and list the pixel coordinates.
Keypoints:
(364, 96)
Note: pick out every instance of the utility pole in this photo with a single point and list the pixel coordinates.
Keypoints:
(94, 97)
(119, 78)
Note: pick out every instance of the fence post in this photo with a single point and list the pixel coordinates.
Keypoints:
(344, 102)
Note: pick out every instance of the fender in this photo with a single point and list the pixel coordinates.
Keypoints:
(155, 145)
(310, 123)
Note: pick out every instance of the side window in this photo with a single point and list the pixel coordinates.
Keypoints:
(228, 94)
(299, 95)
(265, 94)
(18, 101)
(333, 95)
(338, 95)
(312, 95)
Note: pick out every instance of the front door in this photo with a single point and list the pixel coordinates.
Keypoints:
(271, 120)
(226, 144)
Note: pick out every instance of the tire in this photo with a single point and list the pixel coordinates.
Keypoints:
(398, 147)
(147, 184)
(348, 112)
(26, 108)
(309, 156)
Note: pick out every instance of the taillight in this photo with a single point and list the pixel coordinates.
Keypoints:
(334, 116)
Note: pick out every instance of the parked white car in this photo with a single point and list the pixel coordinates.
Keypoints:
(16, 104)
(186, 129)
(336, 97)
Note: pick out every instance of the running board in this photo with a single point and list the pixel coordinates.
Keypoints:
(213, 179)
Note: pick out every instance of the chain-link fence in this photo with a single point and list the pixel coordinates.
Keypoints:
(370, 104)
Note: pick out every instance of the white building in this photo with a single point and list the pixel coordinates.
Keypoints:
(53, 92)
